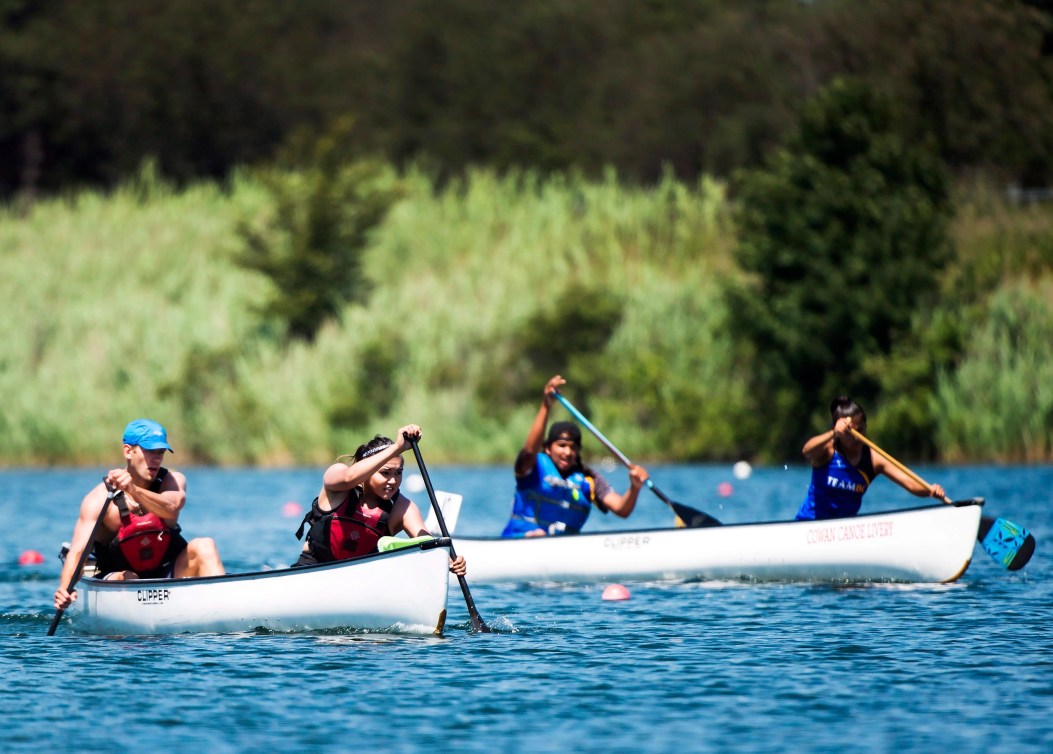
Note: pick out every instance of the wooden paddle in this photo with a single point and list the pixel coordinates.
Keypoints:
(692, 518)
(83, 558)
(477, 621)
(1009, 544)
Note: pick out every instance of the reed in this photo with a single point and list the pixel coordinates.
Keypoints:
(998, 403)
(131, 303)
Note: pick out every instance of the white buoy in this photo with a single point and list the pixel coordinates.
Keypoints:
(413, 483)
(742, 470)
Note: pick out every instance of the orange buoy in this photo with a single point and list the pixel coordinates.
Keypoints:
(725, 489)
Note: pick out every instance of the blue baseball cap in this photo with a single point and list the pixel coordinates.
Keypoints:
(147, 434)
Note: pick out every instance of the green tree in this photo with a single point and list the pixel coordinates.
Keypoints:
(326, 205)
(843, 235)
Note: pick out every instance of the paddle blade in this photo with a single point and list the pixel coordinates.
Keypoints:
(1009, 544)
(692, 518)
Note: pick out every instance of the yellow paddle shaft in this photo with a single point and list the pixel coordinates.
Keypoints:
(864, 439)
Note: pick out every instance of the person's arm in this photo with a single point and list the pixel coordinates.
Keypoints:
(168, 503)
(408, 518)
(536, 435)
(623, 505)
(907, 482)
(820, 449)
(90, 508)
(341, 477)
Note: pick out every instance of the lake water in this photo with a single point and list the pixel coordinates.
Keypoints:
(966, 667)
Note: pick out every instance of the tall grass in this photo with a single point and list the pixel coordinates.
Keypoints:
(132, 304)
(455, 274)
(104, 296)
(998, 404)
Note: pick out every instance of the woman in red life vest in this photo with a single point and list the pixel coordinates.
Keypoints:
(139, 535)
(360, 502)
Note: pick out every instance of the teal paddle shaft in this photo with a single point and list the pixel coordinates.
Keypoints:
(691, 517)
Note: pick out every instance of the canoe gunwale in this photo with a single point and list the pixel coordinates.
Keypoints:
(979, 502)
(922, 544)
(99, 584)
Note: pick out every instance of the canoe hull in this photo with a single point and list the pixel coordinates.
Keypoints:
(932, 544)
(403, 591)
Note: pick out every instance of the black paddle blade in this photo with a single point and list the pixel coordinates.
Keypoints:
(1009, 544)
(1023, 554)
(692, 518)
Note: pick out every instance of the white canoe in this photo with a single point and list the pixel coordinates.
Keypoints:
(932, 544)
(404, 590)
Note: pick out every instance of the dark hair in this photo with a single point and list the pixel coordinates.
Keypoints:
(366, 450)
(373, 447)
(572, 432)
(564, 430)
(842, 406)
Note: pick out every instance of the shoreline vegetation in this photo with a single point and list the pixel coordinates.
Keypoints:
(133, 303)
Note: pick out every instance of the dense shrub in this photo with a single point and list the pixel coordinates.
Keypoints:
(843, 236)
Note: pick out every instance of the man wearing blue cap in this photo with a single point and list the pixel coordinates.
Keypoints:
(139, 535)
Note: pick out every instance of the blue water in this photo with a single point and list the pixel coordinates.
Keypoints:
(966, 667)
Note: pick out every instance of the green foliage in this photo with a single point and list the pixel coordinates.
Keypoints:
(556, 85)
(369, 388)
(908, 374)
(208, 394)
(325, 208)
(132, 303)
(843, 236)
(568, 335)
(999, 401)
(672, 386)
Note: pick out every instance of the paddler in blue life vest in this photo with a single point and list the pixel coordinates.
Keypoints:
(843, 467)
(361, 501)
(555, 491)
(139, 535)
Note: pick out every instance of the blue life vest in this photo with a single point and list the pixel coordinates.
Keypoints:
(546, 500)
(837, 488)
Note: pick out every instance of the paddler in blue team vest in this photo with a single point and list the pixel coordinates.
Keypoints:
(555, 492)
(843, 467)
(139, 535)
(361, 501)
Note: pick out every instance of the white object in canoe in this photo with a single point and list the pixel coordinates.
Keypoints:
(450, 504)
(931, 544)
(404, 590)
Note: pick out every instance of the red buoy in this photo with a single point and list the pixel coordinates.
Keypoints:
(30, 557)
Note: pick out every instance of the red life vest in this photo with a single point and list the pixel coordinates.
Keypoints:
(348, 531)
(143, 540)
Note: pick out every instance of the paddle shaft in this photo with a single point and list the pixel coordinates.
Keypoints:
(1010, 545)
(686, 513)
(873, 446)
(83, 559)
(473, 613)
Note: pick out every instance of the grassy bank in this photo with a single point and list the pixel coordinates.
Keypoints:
(132, 304)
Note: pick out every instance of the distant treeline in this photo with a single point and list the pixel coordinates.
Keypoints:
(88, 90)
